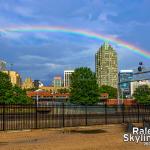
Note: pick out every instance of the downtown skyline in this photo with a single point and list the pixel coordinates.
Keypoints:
(42, 55)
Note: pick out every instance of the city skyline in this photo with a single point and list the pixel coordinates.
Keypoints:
(105, 45)
(52, 53)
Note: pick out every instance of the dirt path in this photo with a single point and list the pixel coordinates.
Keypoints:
(96, 138)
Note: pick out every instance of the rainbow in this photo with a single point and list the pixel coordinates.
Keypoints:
(78, 32)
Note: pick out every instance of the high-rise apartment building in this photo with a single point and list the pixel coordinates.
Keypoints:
(14, 77)
(67, 74)
(125, 75)
(57, 81)
(106, 66)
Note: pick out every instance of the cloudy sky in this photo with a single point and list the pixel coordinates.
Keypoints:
(42, 55)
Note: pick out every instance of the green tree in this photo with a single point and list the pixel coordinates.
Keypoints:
(5, 86)
(62, 91)
(142, 94)
(112, 92)
(84, 88)
(10, 94)
(31, 89)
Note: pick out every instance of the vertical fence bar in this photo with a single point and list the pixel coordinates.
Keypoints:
(86, 123)
(123, 108)
(105, 113)
(3, 117)
(63, 115)
(144, 112)
(36, 119)
(138, 107)
(10, 118)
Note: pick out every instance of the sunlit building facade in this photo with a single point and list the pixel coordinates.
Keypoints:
(15, 78)
(67, 74)
(28, 84)
(106, 66)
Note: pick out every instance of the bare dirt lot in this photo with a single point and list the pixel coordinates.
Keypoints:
(102, 137)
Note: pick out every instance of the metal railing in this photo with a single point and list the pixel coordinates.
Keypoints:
(18, 117)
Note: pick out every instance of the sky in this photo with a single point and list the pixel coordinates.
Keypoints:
(42, 55)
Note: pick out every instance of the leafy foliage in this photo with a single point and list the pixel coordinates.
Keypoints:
(10, 94)
(62, 91)
(84, 88)
(31, 89)
(142, 94)
(112, 92)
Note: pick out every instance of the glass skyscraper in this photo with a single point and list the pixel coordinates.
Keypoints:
(124, 77)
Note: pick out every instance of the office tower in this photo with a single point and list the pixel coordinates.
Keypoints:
(106, 66)
(67, 74)
(125, 75)
(57, 81)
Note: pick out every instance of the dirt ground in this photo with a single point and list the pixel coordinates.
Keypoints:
(102, 137)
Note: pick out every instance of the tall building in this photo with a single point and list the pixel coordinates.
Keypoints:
(28, 84)
(125, 88)
(136, 84)
(57, 81)
(67, 74)
(2, 65)
(106, 66)
(14, 77)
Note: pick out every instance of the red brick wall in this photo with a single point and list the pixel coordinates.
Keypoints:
(125, 101)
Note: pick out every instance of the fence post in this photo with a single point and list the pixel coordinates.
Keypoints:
(4, 117)
(138, 112)
(36, 107)
(86, 123)
(105, 113)
(123, 112)
(63, 115)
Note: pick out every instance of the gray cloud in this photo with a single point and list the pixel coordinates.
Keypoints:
(43, 55)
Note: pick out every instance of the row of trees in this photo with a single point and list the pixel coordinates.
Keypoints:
(142, 94)
(10, 94)
(85, 91)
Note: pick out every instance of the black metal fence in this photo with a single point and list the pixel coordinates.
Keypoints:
(18, 117)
